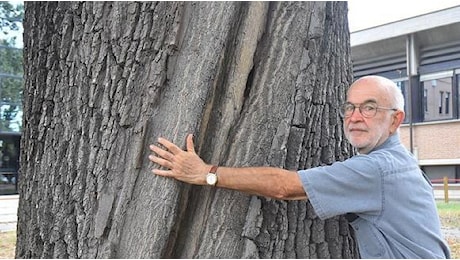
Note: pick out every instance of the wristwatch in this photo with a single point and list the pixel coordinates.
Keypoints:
(211, 178)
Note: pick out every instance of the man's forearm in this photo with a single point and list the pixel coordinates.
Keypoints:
(264, 181)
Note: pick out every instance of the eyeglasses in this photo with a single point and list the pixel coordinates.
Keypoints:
(368, 109)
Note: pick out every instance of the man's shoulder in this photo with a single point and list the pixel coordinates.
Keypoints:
(361, 162)
(396, 157)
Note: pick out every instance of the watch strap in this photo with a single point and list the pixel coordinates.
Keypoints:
(213, 169)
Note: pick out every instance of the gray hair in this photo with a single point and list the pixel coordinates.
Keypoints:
(397, 96)
(394, 92)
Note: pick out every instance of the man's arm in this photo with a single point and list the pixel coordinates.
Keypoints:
(187, 166)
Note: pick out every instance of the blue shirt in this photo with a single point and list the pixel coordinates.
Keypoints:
(397, 215)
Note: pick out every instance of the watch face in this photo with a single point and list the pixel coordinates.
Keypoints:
(211, 179)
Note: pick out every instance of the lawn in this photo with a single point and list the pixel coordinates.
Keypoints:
(7, 244)
(450, 217)
(448, 212)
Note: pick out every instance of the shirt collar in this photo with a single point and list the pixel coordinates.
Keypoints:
(391, 141)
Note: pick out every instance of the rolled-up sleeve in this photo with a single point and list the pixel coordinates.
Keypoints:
(351, 186)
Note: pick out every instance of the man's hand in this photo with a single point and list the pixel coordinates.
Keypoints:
(184, 166)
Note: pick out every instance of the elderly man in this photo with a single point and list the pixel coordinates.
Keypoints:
(387, 198)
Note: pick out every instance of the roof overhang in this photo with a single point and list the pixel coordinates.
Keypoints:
(446, 17)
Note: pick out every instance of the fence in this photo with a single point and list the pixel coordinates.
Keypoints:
(445, 184)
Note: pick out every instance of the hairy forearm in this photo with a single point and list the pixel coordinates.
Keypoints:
(187, 166)
(263, 181)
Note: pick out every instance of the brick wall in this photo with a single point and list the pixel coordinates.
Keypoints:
(440, 140)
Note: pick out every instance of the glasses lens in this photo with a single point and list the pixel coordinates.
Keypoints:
(368, 109)
(347, 109)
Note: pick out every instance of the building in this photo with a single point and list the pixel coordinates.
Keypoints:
(422, 55)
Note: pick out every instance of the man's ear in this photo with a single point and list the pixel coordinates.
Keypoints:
(398, 118)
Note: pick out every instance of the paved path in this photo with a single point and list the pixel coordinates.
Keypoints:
(8, 212)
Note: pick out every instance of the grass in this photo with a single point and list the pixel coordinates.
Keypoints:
(7, 244)
(449, 214)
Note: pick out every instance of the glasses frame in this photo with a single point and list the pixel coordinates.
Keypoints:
(344, 114)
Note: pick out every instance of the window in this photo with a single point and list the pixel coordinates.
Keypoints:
(447, 102)
(441, 101)
(437, 100)
(425, 100)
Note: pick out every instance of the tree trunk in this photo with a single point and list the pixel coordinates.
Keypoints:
(258, 83)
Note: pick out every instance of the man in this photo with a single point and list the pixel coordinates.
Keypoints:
(391, 201)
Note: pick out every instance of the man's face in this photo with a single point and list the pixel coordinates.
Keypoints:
(366, 133)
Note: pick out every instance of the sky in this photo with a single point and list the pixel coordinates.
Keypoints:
(364, 14)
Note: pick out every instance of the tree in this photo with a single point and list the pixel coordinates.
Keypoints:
(258, 83)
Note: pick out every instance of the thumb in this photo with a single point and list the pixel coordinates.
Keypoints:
(190, 145)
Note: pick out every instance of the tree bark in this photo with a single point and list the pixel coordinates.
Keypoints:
(258, 83)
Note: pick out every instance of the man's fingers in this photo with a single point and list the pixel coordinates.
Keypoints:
(164, 154)
(190, 145)
(170, 146)
(164, 173)
(160, 161)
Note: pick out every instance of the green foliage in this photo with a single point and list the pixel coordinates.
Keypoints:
(11, 88)
(11, 68)
(11, 59)
(10, 19)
